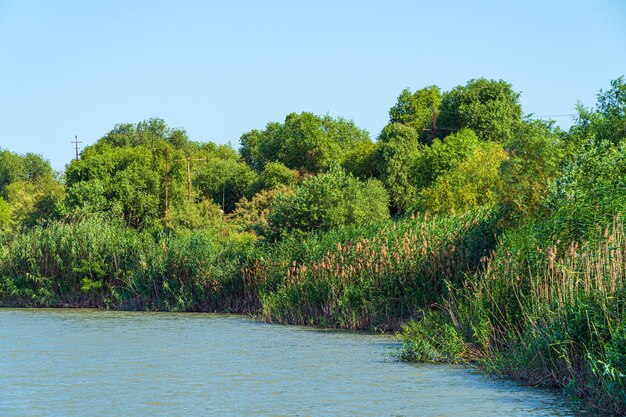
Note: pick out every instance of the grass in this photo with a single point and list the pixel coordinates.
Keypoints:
(369, 277)
(98, 263)
(556, 319)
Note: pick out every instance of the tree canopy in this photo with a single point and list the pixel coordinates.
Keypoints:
(488, 107)
(304, 142)
(484, 153)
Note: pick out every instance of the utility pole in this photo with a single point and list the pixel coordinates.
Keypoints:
(76, 142)
(167, 178)
(189, 159)
(434, 129)
(188, 178)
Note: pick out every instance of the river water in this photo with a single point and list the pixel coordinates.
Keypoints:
(102, 363)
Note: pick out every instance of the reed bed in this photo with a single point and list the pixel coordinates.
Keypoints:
(99, 263)
(371, 277)
(557, 321)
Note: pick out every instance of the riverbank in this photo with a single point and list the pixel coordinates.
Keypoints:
(551, 316)
(351, 277)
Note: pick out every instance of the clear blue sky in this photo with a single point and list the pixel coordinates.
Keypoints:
(220, 68)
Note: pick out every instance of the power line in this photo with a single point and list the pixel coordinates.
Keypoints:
(554, 115)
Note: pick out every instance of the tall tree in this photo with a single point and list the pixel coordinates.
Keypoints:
(28, 188)
(398, 148)
(417, 109)
(490, 108)
(534, 157)
(124, 172)
(304, 142)
(607, 121)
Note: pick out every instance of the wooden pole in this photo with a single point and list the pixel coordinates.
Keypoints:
(223, 205)
(167, 178)
(188, 178)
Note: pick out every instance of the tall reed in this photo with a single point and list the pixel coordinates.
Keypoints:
(557, 320)
(101, 263)
(370, 277)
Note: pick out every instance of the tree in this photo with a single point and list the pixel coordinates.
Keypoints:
(223, 180)
(12, 168)
(328, 200)
(361, 162)
(398, 148)
(443, 155)
(471, 182)
(274, 174)
(28, 188)
(5, 216)
(416, 110)
(490, 108)
(251, 149)
(252, 214)
(534, 157)
(123, 173)
(607, 122)
(304, 142)
(591, 184)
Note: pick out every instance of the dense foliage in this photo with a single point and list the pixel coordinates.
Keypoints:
(506, 246)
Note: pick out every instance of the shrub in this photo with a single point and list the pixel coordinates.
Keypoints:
(432, 339)
(328, 200)
(273, 175)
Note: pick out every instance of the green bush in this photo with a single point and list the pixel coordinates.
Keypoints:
(433, 339)
(328, 200)
(274, 174)
(473, 182)
(251, 215)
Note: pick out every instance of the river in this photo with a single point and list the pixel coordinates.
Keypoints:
(103, 363)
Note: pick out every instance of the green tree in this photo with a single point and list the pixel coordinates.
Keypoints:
(274, 174)
(223, 178)
(192, 215)
(28, 167)
(443, 155)
(591, 185)
(490, 108)
(32, 202)
(416, 110)
(123, 173)
(328, 200)
(361, 160)
(251, 152)
(398, 149)
(606, 121)
(534, 157)
(29, 188)
(12, 168)
(472, 182)
(304, 142)
(251, 215)
(5, 216)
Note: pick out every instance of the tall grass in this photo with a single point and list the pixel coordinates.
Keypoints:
(99, 263)
(370, 276)
(554, 319)
(560, 321)
(82, 263)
